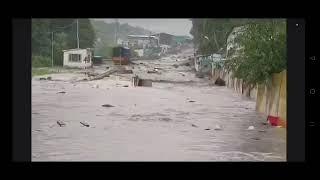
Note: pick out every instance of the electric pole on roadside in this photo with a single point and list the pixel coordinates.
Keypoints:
(52, 49)
(78, 32)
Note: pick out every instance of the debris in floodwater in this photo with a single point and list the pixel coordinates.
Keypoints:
(255, 138)
(165, 119)
(96, 86)
(207, 129)
(264, 123)
(84, 124)
(151, 72)
(251, 128)
(199, 75)
(217, 127)
(49, 78)
(60, 123)
(262, 130)
(193, 125)
(38, 130)
(182, 73)
(61, 92)
(191, 101)
(42, 79)
(125, 86)
(175, 65)
(107, 105)
(99, 115)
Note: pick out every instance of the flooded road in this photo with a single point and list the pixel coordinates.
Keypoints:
(189, 121)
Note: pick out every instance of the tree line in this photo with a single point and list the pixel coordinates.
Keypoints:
(263, 45)
(64, 37)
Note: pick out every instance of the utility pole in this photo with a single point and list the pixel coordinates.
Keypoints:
(52, 49)
(115, 31)
(78, 32)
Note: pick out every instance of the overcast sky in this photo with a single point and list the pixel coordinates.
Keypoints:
(171, 26)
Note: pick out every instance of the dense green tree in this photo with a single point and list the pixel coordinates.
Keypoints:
(65, 37)
(263, 51)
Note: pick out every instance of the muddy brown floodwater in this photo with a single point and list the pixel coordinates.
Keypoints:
(166, 122)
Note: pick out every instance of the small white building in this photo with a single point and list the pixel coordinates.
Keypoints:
(79, 58)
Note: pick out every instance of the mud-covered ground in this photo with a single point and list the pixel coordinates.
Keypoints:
(182, 118)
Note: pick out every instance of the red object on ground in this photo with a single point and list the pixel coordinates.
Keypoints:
(274, 121)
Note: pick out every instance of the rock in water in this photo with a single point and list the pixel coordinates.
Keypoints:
(217, 127)
(49, 78)
(220, 82)
(251, 128)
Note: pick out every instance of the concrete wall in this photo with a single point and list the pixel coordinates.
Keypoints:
(84, 53)
(273, 100)
(269, 100)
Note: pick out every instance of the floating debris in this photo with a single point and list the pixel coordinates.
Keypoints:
(37, 130)
(217, 127)
(255, 138)
(151, 72)
(49, 78)
(125, 86)
(42, 79)
(165, 119)
(96, 86)
(251, 128)
(60, 123)
(84, 124)
(61, 92)
(207, 129)
(107, 105)
(262, 130)
(193, 125)
(192, 101)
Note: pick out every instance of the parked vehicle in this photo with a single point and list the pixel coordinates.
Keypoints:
(121, 55)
